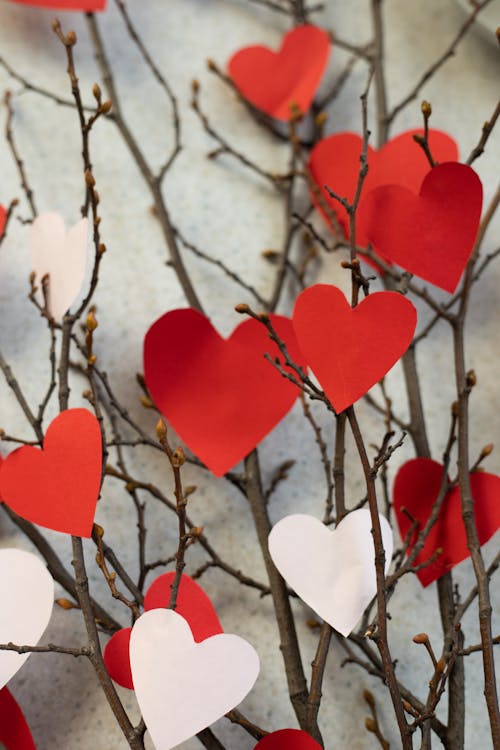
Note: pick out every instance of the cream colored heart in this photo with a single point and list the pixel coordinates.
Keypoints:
(332, 571)
(181, 686)
(63, 256)
(27, 596)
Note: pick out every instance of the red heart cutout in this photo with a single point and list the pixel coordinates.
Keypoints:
(351, 349)
(288, 739)
(334, 161)
(57, 487)
(273, 81)
(416, 488)
(14, 730)
(220, 395)
(3, 219)
(83, 5)
(431, 234)
(192, 603)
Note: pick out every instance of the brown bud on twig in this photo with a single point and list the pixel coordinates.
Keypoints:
(178, 457)
(242, 309)
(420, 638)
(91, 322)
(320, 119)
(71, 38)
(146, 402)
(161, 430)
(189, 490)
(98, 531)
(66, 604)
(106, 106)
(368, 696)
(471, 379)
(89, 178)
(426, 109)
(2, 433)
(454, 409)
(96, 91)
(497, 32)
(196, 532)
(211, 65)
(370, 724)
(195, 85)
(487, 450)
(102, 248)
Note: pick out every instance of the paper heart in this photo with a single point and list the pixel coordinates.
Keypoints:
(14, 730)
(3, 219)
(416, 488)
(351, 349)
(288, 739)
(83, 5)
(57, 487)
(192, 604)
(168, 666)
(273, 81)
(221, 396)
(431, 234)
(62, 255)
(332, 571)
(334, 161)
(27, 596)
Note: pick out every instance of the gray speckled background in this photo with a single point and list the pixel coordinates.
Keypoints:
(233, 215)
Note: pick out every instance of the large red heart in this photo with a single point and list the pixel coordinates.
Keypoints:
(57, 487)
(288, 739)
(416, 488)
(221, 396)
(14, 730)
(431, 234)
(351, 349)
(192, 603)
(273, 81)
(83, 5)
(334, 161)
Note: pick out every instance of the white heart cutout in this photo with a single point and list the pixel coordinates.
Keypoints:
(332, 571)
(182, 686)
(27, 596)
(63, 256)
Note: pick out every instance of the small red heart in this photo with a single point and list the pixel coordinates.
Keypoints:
(431, 234)
(416, 488)
(3, 219)
(14, 730)
(221, 396)
(334, 162)
(288, 739)
(273, 81)
(57, 487)
(192, 603)
(351, 349)
(83, 5)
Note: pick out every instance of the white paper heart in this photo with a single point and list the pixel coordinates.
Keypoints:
(332, 571)
(27, 597)
(62, 255)
(181, 686)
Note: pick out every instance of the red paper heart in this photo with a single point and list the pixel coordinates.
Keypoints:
(416, 488)
(83, 5)
(57, 487)
(14, 730)
(431, 234)
(351, 349)
(221, 396)
(3, 219)
(334, 162)
(273, 81)
(192, 603)
(288, 739)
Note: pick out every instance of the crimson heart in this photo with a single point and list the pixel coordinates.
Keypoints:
(288, 739)
(192, 603)
(14, 730)
(351, 349)
(431, 234)
(57, 487)
(334, 161)
(273, 81)
(83, 5)
(3, 219)
(221, 396)
(416, 488)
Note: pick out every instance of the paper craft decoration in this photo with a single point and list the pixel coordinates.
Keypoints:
(274, 81)
(57, 487)
(288, 739)
(334, 161)
(192, 604)
(3, 219)
(27, 596)
(83, 5)
(351, 349)
(416, 488)
(168, 666)
(14, 730)
(62, 255)
(332, 571)
(221, 396)
(430, 234)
